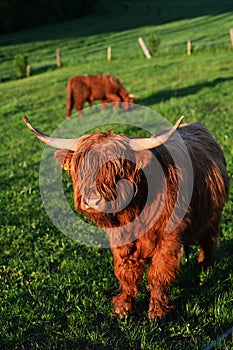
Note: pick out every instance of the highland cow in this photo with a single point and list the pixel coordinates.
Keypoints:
(98, 163)
(88, 88)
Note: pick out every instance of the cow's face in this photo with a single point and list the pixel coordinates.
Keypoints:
(107, 175)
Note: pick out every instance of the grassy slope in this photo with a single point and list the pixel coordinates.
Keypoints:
(55, 293)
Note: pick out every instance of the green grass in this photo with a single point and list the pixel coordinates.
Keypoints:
(56, 293)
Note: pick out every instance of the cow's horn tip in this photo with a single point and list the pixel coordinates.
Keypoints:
(179, 121)
(25, 119)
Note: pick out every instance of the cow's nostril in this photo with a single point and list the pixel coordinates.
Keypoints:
(93, 203)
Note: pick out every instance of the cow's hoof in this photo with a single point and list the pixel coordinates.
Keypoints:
(157, 310)
(123, 304)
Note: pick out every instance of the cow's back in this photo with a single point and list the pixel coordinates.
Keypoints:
(210, 180)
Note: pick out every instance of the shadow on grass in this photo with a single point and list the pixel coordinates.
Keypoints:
(204, 285)
(34, 71)
(43, 69)
(112, 16)
(164, 95)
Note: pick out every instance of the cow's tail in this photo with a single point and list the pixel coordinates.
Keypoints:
(70, 99)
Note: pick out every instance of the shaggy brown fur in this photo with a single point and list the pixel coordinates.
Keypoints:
(156, 247)
(88, 88)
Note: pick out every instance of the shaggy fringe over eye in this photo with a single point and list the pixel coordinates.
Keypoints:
(101, 167)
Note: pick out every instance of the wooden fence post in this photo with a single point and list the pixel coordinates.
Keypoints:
(231, 35)
(109, 53)
(189, 47)
(144, 48)
(58, 58)
(28, 70)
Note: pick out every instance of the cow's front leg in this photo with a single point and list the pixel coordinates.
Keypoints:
(162, 271)
(103, 105)
(128, 270)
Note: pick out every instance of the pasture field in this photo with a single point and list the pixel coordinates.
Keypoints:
(56, 293)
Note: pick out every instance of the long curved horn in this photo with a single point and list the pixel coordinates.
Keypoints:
(52, 141)
(152, 142)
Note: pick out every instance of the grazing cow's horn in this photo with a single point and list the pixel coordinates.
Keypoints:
(133, 96)
(152, 142)
(52, 141)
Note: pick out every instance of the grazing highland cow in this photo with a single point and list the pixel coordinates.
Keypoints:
(88, 88)
(106, 166)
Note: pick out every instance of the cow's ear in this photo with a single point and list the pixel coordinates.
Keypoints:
(63, 157)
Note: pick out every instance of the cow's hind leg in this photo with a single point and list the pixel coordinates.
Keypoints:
(208, 244)
(69, 107)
